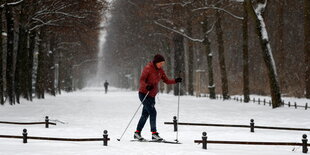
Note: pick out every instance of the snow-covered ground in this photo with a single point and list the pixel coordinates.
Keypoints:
(88, 112)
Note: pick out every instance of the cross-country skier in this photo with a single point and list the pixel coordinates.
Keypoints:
(150, 77)
(106, 84)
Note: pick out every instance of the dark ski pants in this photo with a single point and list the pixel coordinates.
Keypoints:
(148, 110)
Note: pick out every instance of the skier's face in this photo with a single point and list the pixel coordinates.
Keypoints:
(160, 64)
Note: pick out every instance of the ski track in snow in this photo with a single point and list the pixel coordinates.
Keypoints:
(88, 112)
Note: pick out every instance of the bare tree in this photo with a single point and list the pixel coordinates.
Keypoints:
(1, 59)
(219, 34)
(245, 48)
(10, 50)
(307, 46)
(262, 32)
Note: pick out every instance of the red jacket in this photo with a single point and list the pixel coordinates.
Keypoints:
(151, 76)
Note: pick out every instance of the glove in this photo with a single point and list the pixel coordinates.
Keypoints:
(149, 87)
(178, 80)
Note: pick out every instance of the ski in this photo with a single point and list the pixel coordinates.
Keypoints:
(156, 141)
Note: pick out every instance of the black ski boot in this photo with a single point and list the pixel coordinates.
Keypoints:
(156, 137)
(138, 136)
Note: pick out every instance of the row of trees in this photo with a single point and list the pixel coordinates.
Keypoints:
(43, 43)
(240, 44)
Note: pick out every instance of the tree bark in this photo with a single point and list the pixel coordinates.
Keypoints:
(1, 61)
(60, 74)
(169, 64)
(262, 33)
(21, 58)
(51, 67)
(307, 46)
(207, 45)
(178, 41)
(179, 66)
(32, 44)
(246, 87)
(221, 50)
(10, 54)
(41, 74)
(190, 60)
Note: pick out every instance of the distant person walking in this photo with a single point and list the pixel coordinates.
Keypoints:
(149, 79)
(106, 85)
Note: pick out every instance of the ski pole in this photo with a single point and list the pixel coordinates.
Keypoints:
(178, 113)
(133, 116)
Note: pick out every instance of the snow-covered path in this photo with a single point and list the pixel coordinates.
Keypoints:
(88, 112)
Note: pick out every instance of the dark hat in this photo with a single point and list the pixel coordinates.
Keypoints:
(158, 58)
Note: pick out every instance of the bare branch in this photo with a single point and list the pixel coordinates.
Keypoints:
(181, 33)
(49, 23)
(217, 8)
(15, 3)
(11, 4)
(171, 4)
(211, 29)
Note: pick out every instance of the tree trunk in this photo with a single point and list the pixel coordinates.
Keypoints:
(21, 59)
(51, 67)
(10, 54)
(41, 74)
(165, 44)
(207, 44)
(32, 43)
(246, 87)
(169, 64)
(219, 34)
(190, 60)
(307, 46)
(267, 54)
(179, 66)
(178, 42)
(60, 74)
(280, 46)
(1, 61)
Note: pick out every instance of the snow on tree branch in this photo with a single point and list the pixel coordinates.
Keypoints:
(11, 4)
(65, 14)
(217, 8)
(49, 23)
(260, 8)
(171, 4)
(179, 32)
(259, 11)
(15, 3)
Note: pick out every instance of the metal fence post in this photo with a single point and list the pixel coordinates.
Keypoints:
(105, 138)
(46, 121)
(252, 125)
(204, 140)
(25, 136)
(175, 123)
(304, 143)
